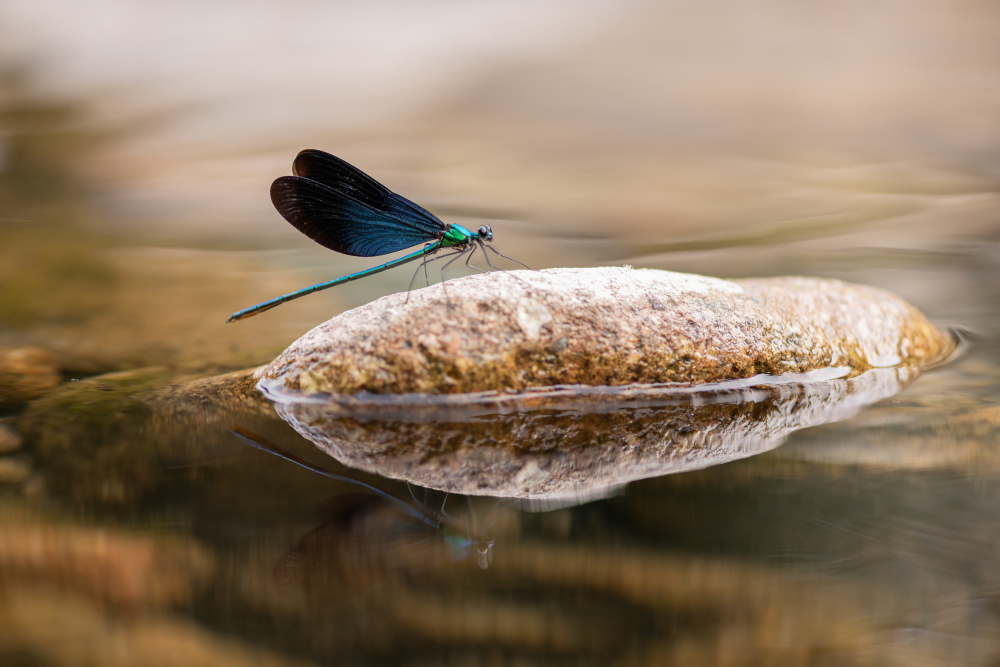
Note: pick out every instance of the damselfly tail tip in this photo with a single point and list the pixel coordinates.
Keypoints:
(256, 310)
(240, 315)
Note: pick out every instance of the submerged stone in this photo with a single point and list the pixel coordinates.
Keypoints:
(14, 471)
(113, 439)
(607, 326)
(26, 373)
(10, 440)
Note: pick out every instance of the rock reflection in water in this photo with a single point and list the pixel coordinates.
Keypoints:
(559, 447)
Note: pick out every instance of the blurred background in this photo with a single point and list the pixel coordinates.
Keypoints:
(138, 142)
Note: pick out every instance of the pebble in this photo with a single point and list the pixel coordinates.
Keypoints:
(26, 373)
(10, 440)
(14, 471)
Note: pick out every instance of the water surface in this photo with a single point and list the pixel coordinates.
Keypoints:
(829, 141)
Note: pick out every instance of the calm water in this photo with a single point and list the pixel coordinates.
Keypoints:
(146, 513)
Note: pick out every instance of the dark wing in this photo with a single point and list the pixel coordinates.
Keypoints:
(344, 209)
(334, 173)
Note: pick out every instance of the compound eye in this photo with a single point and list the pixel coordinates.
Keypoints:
(485, 232)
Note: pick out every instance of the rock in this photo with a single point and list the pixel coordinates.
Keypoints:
(26, 373)
(88, 437)
(111, 439)
(600, 327)
(10, 440)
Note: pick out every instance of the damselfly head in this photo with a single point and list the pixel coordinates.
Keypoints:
(485, 233)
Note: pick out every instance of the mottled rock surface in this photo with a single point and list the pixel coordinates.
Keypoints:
(603, 326)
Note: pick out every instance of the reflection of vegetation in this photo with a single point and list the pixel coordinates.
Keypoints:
(49, 267)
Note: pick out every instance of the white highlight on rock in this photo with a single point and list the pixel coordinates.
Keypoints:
(531, 317)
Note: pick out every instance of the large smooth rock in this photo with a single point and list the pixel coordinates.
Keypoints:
(603, 326)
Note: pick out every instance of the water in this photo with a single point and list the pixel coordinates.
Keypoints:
(721, 140)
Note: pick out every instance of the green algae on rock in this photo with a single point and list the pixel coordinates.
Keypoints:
(607, 326)
(110, 440)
